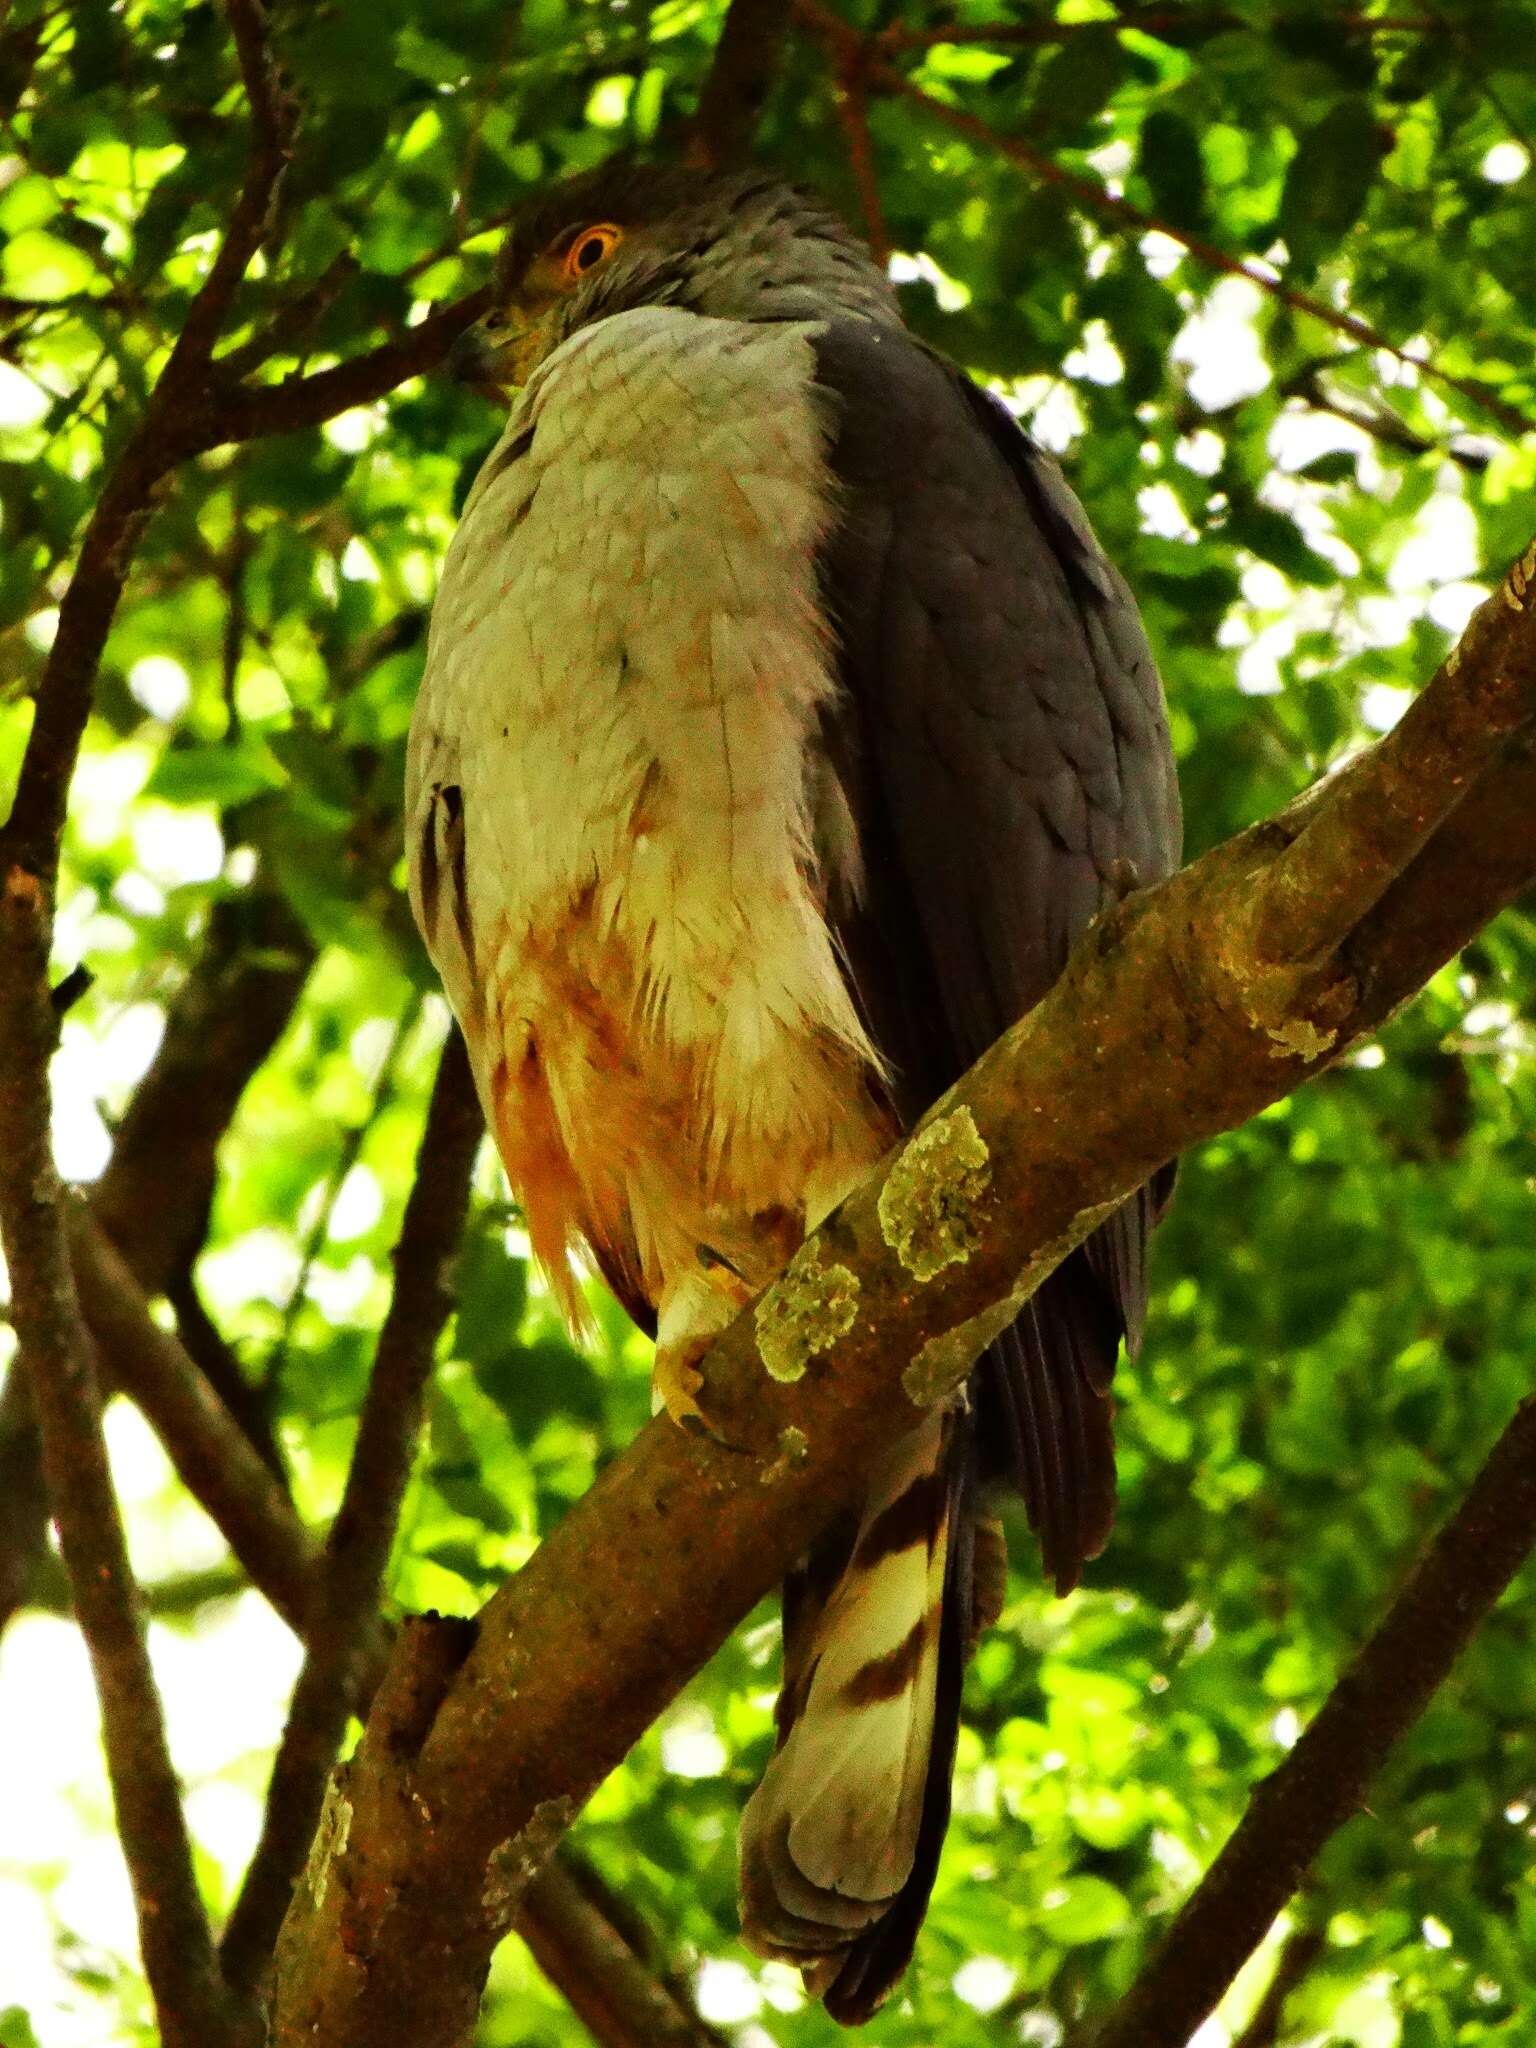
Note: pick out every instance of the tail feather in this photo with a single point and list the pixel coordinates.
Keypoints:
(1045, 1417)
(840, 1842)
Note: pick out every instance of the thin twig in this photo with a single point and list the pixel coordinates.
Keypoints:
(294, 320)
(346, 1158)
(1374, 417)
(357, 1549)
(851, 106)
(251, 222)
(206, 1346)
(849, 48)
(490, 86)
(247, 412)
(169, 429)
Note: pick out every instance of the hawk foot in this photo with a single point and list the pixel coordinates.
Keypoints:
(690, 1324)
(676, 1381)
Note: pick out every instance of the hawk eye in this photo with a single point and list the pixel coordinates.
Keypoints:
(589, 249)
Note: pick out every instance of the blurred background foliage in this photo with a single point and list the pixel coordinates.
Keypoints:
(1344, 1311)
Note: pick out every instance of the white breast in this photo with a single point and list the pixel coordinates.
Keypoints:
(624, 676)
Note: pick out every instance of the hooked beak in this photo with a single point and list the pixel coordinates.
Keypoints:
(499, 353)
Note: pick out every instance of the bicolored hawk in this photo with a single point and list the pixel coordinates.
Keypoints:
(783, 724)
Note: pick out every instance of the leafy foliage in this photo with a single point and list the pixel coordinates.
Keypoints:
(1344, 1313)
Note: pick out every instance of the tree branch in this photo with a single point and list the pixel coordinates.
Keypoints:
(154, 1197)
(245, 412)
(251, 222)
(1322, 1782)
(1372, 416)
(346, 1594)
(23, 1496)
(736, 89)
(612, 1990)
(851, 106)
(213, 1456)
(258, 1521)
(1300, 1952)
(173, 1929)
(890, 1303)
(853, 52)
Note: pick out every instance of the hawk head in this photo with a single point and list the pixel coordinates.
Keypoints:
(734, 246)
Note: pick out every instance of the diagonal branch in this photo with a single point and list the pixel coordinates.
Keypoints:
(442, 1815)
(612, 1990)
(213, 1456)
(346, 1593)
(246, 412)
(1300, 1952)
(854, 53)
(1323, 1780)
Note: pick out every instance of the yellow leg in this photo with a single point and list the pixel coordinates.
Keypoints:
(692, 1316)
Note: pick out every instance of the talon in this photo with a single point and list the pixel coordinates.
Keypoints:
(676, 1382)
(714, 1262)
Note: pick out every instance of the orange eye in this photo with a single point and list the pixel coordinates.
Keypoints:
(591, 247)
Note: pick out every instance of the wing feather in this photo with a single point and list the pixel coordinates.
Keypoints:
(1002, 742)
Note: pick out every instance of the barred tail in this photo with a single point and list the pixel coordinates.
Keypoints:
(841, 1840)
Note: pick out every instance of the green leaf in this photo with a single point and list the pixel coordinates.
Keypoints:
(1076, 80)
(1081, 1910)
(1170, 161)
(223, 775)
(1339, 466)
(1329, 180)
(1270, 534)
